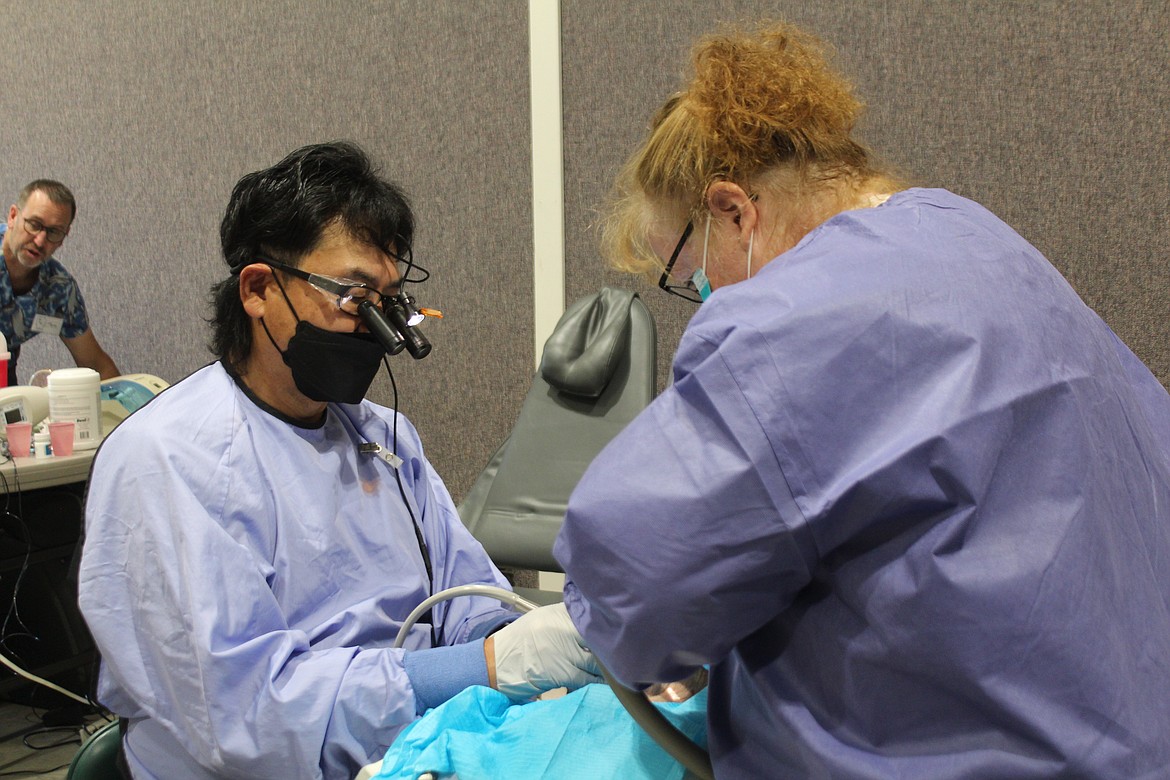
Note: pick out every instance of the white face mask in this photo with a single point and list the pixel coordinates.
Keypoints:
(699, 278)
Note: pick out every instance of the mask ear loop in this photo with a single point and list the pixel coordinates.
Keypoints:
(291, 308)
(706, 240)
(751, 242)
(284, 295)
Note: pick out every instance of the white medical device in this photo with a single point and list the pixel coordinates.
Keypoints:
(23, 403)
(120, 396)
(126, 394)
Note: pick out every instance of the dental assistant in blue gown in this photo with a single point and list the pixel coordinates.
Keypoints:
(248, 563)
(907, 495)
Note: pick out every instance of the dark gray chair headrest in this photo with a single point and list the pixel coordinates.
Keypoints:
(588, 343)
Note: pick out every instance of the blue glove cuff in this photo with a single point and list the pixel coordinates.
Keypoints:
(492, 625)
(438, 673)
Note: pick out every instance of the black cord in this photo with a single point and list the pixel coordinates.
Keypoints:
(72, 731)
(74, 738)
(418, 534)
(13, 608)
(21, 630)
(406, 257)
(34, 772)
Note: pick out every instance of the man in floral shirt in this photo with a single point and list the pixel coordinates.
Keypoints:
(37, 294)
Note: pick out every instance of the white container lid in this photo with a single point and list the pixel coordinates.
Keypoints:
(74, 376)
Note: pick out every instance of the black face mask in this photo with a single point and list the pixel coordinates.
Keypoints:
(327, 365)
(331, 366)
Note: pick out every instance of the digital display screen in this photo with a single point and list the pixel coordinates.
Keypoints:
(13, 414)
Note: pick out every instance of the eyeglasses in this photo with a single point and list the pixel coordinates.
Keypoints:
(350, 294)
(34, 226)
(686, 290)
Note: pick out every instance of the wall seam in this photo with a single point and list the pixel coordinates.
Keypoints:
(548, 195)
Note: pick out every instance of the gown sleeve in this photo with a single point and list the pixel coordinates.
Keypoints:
(697, 452)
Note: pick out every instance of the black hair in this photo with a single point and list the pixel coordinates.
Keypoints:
(281, 212)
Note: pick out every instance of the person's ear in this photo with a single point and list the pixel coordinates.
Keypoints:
(732, 207)
(255, 281)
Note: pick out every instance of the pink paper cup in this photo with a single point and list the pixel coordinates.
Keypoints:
(19, 438)
(61, 437)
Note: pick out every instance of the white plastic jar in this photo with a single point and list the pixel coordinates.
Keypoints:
(76, 394)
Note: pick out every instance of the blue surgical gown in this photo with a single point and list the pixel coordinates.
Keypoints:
(910, 497)
(244, 579)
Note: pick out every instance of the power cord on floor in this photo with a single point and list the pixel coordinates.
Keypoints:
(81, 723)
(65, 735)
(62, 737)
(34, 772)
(52, 737)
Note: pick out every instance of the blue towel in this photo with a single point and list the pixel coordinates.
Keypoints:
(586, 734)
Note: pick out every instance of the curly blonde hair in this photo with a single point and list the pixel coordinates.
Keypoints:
(759, 101)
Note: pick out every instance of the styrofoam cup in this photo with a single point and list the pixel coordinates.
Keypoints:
(19, 438)
(61, 437)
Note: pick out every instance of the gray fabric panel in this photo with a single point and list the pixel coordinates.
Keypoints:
(151, 111)
(1053, 115)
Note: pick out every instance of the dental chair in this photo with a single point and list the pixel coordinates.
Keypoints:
(597, 372)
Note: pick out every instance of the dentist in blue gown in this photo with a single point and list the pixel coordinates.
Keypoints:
(247, 563)
(907, 495)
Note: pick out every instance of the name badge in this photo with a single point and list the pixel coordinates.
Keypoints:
(43, 323)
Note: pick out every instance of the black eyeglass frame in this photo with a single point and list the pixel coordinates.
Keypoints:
(335, 286)
(50, 232)
(687, 290)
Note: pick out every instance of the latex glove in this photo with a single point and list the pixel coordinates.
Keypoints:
(539, 652)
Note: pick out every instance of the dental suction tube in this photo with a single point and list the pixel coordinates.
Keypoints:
(499, 594)
(696, 760)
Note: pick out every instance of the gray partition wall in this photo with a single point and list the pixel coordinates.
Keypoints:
(1054, 115)
(151, 111)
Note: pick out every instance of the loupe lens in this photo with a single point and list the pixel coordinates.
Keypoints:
(416, 344)
(372, 316)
